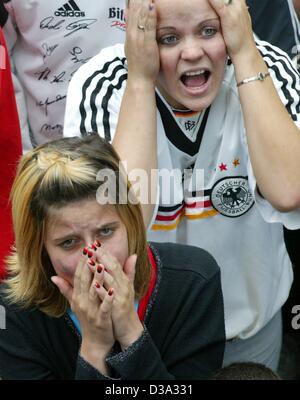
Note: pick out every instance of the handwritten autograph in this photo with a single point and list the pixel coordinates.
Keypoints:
(75, 52)
(45, 104)
(47, 23)
(52, 131)
(59, 78)
(78, 25)
(43, 75)
(48, 50)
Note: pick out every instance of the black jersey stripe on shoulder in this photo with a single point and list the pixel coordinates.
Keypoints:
(86, 85)
(102, 82)
(105, 101)
(99, 86)
(174, 132)
(282, 57)
(284, 71)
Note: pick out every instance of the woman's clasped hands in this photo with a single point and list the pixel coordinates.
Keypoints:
(102, 298)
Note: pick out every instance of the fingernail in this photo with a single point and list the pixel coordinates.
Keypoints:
(99, 269)
(85, 251)
(93, 247)
(92, 263)
(97, 243)
(111, 292)
(90, 254)
(97, 285)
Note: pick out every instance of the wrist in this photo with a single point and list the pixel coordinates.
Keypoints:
(143, 85)
(249, 67)
(131, 337)
(247, 59)
(95, 356)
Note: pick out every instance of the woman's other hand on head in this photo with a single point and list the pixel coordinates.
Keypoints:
(236, 26)
(141, 47)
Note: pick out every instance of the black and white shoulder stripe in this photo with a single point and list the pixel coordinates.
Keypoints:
(284, 75)
(97, 91)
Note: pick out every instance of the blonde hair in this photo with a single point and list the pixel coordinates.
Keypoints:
(54, 175)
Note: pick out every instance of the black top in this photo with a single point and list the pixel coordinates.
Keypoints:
(272, 21)
(184, 333)
(3, 14)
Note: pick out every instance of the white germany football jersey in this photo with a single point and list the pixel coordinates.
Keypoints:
(220, 210)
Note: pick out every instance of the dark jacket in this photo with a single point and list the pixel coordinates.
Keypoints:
(184, 333)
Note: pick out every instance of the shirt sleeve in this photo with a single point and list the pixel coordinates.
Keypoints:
(20, 356)
(287, 82)
(95, 94)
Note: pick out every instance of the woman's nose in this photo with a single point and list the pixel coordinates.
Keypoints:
(192, 50)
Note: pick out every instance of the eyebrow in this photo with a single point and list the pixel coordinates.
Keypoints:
(200, 23)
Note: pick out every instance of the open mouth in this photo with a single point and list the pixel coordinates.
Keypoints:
(195, 79)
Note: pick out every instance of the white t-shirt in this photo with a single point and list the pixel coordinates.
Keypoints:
(48, 42)
(223, 213)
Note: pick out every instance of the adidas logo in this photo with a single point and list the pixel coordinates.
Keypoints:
(69, 9)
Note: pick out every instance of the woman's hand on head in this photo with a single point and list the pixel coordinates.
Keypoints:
(236, 27)
(126, 324)
(141, 48)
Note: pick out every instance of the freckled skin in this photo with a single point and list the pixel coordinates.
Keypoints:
(83, 223)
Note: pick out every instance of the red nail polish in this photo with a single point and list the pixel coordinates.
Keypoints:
(85, 251)
(92, 263)
(90, 254)
(111, 291)
(99, 269)
(93, 247)
(97, 285)
(97, 243)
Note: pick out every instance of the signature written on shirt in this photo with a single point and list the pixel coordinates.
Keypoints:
(51, 23)
(75, 53)
(44, 104)
(52, 131)
(48, 50)
(59, 77)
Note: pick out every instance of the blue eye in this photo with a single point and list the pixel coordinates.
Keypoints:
(106, 232)
(68, 244)
(169, 39)
(208, 31)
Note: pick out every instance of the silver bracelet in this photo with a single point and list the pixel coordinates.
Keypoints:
(261, 76)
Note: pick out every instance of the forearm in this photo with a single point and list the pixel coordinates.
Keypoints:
(135, 137)
(273, 138)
